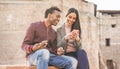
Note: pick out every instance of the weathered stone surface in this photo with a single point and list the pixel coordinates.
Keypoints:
(23, 67)
(108, 32)
(15, 17)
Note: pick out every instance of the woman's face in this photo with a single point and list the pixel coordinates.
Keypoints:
(70, 18)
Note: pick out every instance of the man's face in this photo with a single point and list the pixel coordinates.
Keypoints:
(55, 18)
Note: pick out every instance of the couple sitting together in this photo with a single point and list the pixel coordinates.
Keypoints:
(44, 46)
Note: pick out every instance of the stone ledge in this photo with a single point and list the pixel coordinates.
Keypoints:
(20, 2)
(22, 67)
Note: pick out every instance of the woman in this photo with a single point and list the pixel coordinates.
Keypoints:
(69, 39)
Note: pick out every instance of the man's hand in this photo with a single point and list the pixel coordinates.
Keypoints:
(60, 51)
(37, 46)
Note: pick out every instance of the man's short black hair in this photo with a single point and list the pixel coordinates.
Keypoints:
(51, 10)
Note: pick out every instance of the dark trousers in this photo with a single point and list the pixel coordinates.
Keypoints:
(82, 59)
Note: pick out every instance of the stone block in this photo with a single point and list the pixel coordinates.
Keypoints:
(23, 67)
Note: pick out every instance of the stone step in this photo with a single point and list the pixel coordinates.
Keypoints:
(22, 67)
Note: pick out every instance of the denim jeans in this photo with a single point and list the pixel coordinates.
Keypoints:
(42, 58)
(63, 61)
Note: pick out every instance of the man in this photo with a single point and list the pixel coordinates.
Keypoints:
(40, 43)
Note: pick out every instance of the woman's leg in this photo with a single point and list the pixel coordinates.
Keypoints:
(82, 59)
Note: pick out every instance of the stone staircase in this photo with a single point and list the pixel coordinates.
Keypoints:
(23, 67)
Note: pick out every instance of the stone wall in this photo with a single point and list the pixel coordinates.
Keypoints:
(15, 17)
(110, 52)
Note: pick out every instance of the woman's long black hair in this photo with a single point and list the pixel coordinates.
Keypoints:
(76, 24)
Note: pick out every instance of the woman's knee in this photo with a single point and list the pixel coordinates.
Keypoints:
(82, 51)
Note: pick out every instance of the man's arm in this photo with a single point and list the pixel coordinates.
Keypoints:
(27, 44)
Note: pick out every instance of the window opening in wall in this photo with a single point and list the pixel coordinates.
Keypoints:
(107, 40)
(113, 25)
(110, 64)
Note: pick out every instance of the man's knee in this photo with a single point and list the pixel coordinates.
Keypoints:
(43, 53)
(72, 62)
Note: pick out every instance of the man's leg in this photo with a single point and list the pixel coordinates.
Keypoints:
(63, 61)
(39, 58)
(73, 61)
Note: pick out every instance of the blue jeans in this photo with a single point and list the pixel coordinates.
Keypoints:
(42, 57)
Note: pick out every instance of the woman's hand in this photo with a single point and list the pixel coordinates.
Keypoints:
(68, 36)
(75, 34)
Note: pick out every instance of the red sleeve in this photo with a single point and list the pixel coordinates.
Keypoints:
(29, 37)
